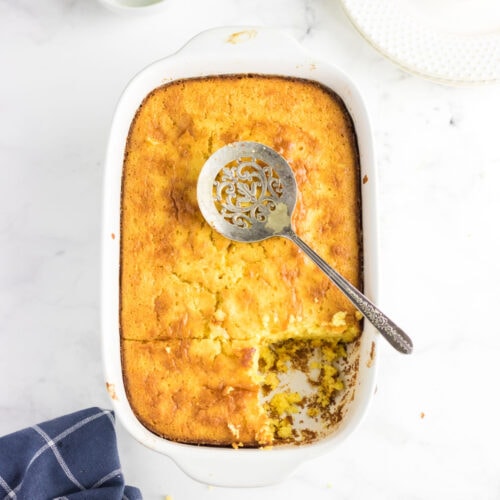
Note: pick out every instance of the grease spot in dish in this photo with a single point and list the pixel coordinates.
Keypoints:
(111, 391)
(241, 36)
(369, 363)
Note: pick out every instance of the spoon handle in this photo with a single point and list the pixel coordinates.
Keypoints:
(393, 334)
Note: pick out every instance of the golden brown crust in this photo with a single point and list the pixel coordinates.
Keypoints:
(185, 285)
(195, 391)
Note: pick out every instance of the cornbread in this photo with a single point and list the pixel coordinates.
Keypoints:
(209, 326)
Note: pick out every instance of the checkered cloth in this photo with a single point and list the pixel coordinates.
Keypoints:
(73, 457)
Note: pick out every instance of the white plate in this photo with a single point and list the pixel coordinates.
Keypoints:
(132, 7)
(452, 41)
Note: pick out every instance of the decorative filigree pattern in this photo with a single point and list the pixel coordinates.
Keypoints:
(382, 323)
(246, 191)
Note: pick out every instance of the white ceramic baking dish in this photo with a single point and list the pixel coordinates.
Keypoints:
(217, 52)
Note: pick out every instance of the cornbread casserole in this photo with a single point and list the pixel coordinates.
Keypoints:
(209, 325)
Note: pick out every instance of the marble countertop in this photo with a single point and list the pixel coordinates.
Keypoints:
(432, 430)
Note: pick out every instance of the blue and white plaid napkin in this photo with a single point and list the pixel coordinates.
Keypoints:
(72, 457)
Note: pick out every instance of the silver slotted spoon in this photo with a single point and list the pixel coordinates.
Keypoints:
(247, 192)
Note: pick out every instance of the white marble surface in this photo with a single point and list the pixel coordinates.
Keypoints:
(432, 431)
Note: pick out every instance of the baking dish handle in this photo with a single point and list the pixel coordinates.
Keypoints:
(252, 467)
(242, 40)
